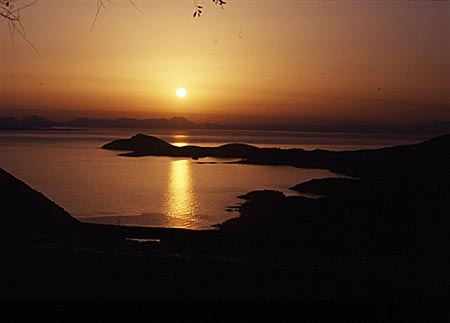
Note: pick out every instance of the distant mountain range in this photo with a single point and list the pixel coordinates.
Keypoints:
(33, 122)
(36, 122)
(39, 123)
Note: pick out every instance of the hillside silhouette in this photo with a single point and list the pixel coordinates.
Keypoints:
(396, 205)
(27, 211)
(380, 235)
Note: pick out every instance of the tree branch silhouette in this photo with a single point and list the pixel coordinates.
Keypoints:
(10, 11)
(199, 9)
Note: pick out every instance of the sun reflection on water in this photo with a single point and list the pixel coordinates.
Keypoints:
(181, 206)
(180, 144)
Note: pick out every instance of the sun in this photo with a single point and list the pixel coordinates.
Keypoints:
(181, 92)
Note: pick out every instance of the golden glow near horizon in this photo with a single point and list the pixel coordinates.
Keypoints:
(181, 92)
(181, 208)
(270, 61)
(179, 140)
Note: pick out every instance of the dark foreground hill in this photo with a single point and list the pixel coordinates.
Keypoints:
(380, 237)
(398, 207)
(25, 210)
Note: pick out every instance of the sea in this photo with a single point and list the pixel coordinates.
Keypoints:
(98, 186)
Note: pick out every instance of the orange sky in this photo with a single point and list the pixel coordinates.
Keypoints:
(283, 61)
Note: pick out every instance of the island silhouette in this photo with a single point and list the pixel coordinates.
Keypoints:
(360, 163)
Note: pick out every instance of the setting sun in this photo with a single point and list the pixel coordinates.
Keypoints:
(181, 92)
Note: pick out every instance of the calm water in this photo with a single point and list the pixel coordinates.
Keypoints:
(96, 185)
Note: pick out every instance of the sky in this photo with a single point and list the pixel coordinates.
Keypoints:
(274, 61)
